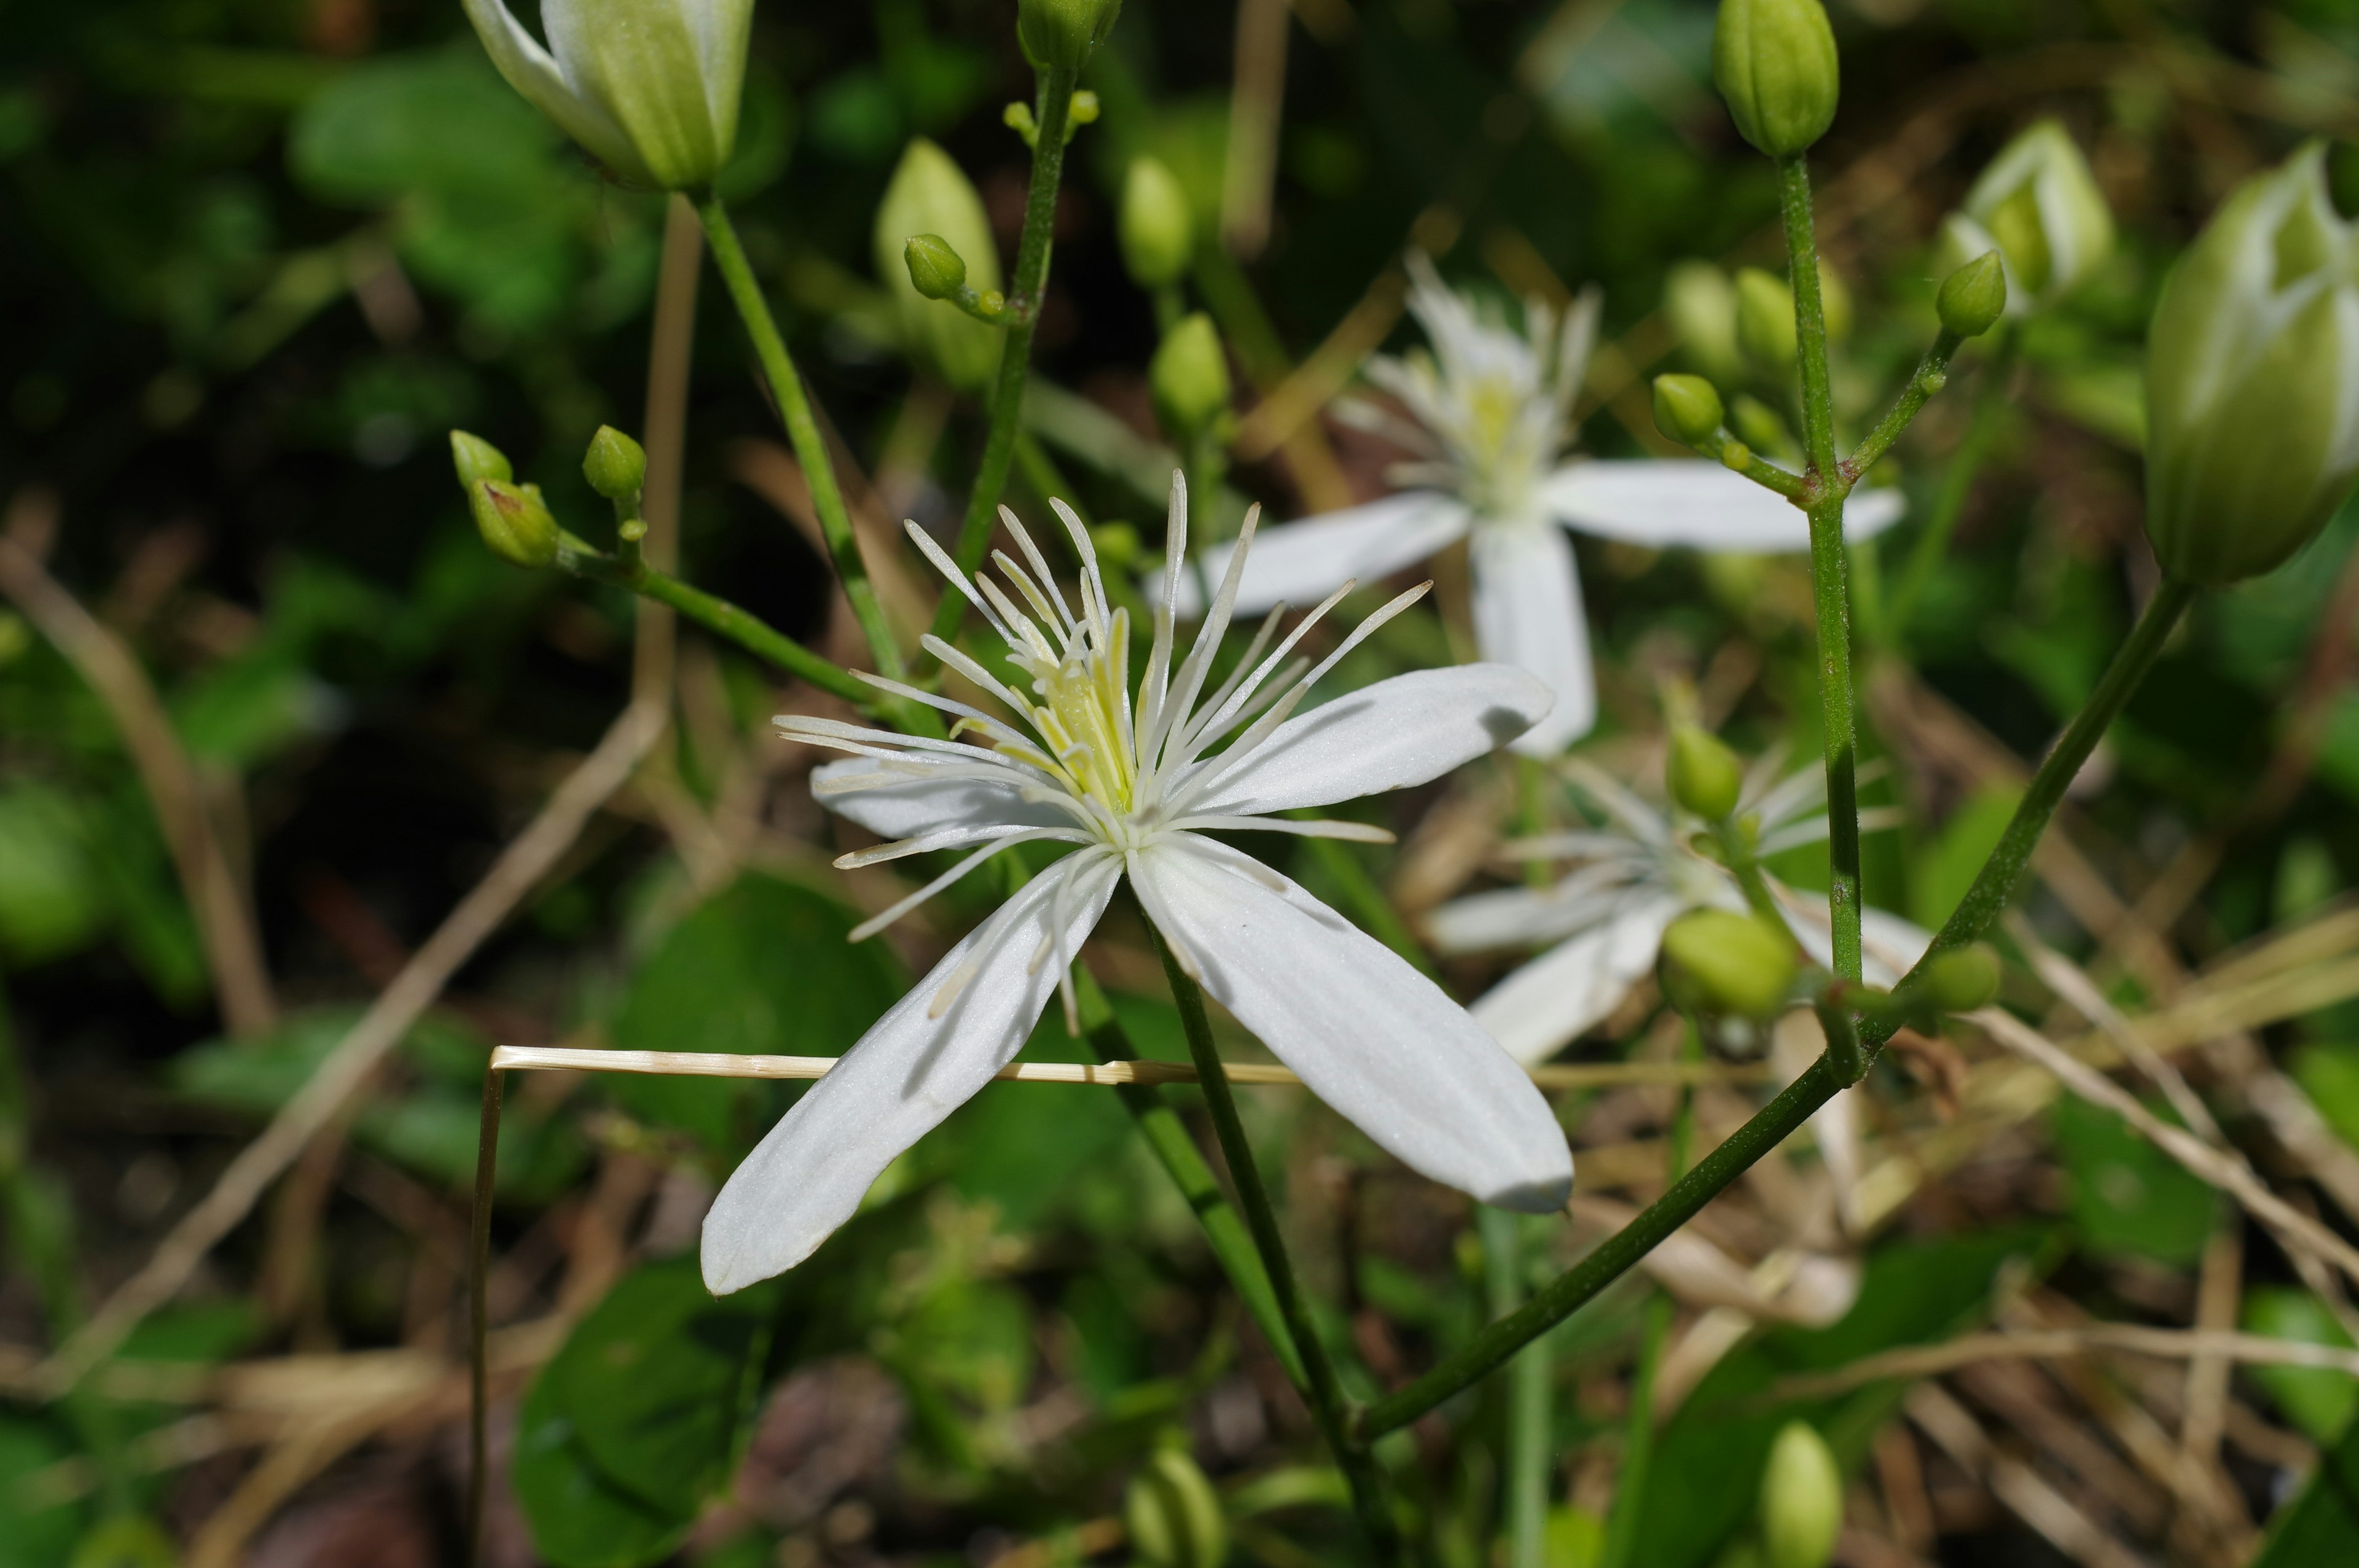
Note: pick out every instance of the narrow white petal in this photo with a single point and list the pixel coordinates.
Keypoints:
(918, 1064)
(1696, 504)
(1369, 1034)
(1528, 917)
(1889, 944)
(923, 807)
(1391, 735)
(532, 72)
(1303, 562)
(1570, 989)
(1527, 612)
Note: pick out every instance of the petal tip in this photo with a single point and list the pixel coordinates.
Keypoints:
(1544, 1195)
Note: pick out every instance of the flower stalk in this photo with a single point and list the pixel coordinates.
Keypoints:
(479, 1256)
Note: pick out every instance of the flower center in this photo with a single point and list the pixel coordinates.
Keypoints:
(1085, 720)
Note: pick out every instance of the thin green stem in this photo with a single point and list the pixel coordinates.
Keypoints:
(718, 616)
(1528, 1389)
(1637, 1438)
(1025, 291)
(1325, 1391)
(1957, 485)
(479, 1258)
(1738, 457)
(803, 432)
(1810, 317)
(1932, 373)
(1745, 867)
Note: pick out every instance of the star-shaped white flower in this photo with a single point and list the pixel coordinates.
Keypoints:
(1494, 419)
(1135, 785)
(1636, 875)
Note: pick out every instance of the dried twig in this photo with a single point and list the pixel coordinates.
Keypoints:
(2054, 1344)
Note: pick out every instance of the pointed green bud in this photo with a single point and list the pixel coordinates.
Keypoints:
(1715, 961)
(1157, 230)
(1962, 978)
(936, 271)
(1189, 375)
(2039, 205)
(1802, 1500)
(1173, 1515)
(1699, 303)
(1063, 33)
(931, 196)
(1773, 61)
(1764, 321)
(515, 522)
(1973, 298)
(1688, 410)
(1702, 774)
(1761, 425)
(2252, 381)
(476, 459)
(616, 466)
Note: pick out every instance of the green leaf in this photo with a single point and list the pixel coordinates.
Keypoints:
(2126, 1196)
(2320, 1527)
(38, 1533)
(763, 967)
(51, 901)
(579, 1517)
(1946, 868)
(2313, 1399)
(2329, 1074)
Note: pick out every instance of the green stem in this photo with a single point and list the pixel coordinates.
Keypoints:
(1742, 864)
(1637, 1438)
(802, 430)
(1325, 1390)
(1169, 1140)
(1528, 1389)
(1752, 466)
(1025, 291)
(720, 617)
(1810, 317)
(1957, 485)
(1932, 374)
(479, 1258)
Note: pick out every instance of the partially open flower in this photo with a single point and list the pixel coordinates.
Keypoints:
(930, 198)
(650, 87)
(2038, 206)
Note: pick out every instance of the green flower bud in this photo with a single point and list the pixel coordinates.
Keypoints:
(1773, 61)
(1687, 409)
(2038, 206)
(1157, 230)
(1117, 545)
(1764, 321)
(1802, 1500)
(1717, 961)
(1702, 774)
(928, 195)
(1063, 32)
(936, 271)
(648, 86)
(1760, 424)
(2252, 381)
(1699, 303)
(616, 466)
(1189, 375)
(515, 522)
(1973, 298)
(1173, 1515)
(1962, 978)
(476, 459)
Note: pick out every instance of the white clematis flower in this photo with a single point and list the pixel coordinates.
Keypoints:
(650, 87)
(1494, 419)
(1637, 874)
(1134, 786)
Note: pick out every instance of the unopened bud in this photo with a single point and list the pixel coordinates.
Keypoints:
(1759, 424)
(1687, 409)
(1773, 61)
(1063, 33)
(1117, 545)
(476, 459)
(616, 466)
(1702, 774)
(1962, 978)
(1715, 961)
(931, 197)
(1190, 374)
(1173, 1515)
(1764, 321)
(1157, 230)
(2039, 205)
(1802, 1500)
(1701, 304)
(2252, 381)
(936, 271)
(1973, 298)
(515, 522)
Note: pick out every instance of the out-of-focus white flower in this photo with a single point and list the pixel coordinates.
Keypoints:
(2038, 206)
(650, 87)
(1493, 413)
(1602, 924)
(1134, 787)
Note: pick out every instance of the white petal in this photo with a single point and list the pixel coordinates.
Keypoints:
(925, 805)
(908, 1073)
(529, 69)
(1529, 917)
(1527, 612)
(1391, 735)
(1369, 1034)
(1303, 562)
(1570, 989)
(1696, 504)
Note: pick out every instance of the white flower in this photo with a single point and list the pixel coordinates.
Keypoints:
(650, 87)
(1134, 788)
(1636, 875)
(1493, 412)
